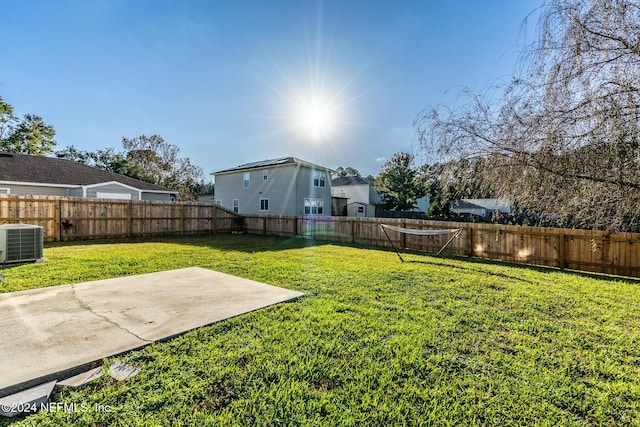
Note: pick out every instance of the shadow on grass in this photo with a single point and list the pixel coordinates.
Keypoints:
(479, 262)
(250, 243)
(231, 242)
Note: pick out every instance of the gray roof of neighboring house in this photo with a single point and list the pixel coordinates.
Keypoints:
(51, 170)
(271, 162)
(461, 204)
(350, 180)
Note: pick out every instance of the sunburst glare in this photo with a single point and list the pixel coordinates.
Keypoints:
(316, 119)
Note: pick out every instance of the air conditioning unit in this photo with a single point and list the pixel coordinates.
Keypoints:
(20, 243)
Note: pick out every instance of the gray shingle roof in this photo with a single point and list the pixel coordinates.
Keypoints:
(51, 170)
(350, 180)
(461, 204)
(270, 162)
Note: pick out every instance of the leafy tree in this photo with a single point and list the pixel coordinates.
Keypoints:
(563, 139)
(400, 183)
(7, 119)
(107, 159)
(31, 135)
(72, 153)
(342, 172)
(149, 159)
(159, 162)
(204, 188)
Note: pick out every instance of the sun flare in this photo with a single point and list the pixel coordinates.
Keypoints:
(316, 119)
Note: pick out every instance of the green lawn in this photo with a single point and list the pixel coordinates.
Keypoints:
(432, 341)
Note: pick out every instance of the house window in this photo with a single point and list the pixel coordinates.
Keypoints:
(5, 191)
(236, 205)
(313, 206)
(319, 179)
(246, 177)
(264, 204)
(265, 175)
(360, 209)
(218, 202)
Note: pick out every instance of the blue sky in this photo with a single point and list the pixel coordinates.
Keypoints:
(231, 82)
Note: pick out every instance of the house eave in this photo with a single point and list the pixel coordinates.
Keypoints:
(297, 163)
(39, 184)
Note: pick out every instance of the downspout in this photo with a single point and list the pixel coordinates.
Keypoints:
(297, 201)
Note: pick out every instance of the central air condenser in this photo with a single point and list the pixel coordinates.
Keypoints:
(20, 243)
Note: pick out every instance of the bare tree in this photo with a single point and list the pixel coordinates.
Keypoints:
(562, 139)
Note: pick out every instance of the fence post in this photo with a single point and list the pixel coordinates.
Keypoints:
(264, 225)
(214, 220)
(352, 228)
(130, 218)
(403, 236)
(181, 223)
(561, 252)
(57, 220)
(470, 250)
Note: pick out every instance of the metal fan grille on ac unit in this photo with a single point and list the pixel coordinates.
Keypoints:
(23, 244)
(20, 242)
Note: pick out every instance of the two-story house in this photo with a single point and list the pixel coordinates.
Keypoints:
(363, 196)
(283, 186)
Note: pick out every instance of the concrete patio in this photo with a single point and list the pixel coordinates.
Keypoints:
(56, 332)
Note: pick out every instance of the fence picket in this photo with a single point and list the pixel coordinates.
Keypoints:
(70, 218)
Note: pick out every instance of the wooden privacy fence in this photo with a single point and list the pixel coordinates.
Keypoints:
(586, 250)
(69, 218)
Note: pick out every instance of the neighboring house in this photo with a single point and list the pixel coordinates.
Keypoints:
(283, 186)
(492, 205)
(362, 195)
(38, 175)
(461, 207)
(482, 207)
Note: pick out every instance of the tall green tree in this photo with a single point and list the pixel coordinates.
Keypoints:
(401, 183)
(7, 119)
(341, 172)
(108, 159)
(31, 135)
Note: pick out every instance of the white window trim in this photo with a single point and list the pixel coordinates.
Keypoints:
(236, 205)
(321, 177)
(246, 181)
(319, 205)
(264, 210)
(4, 190)
(265, 175)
